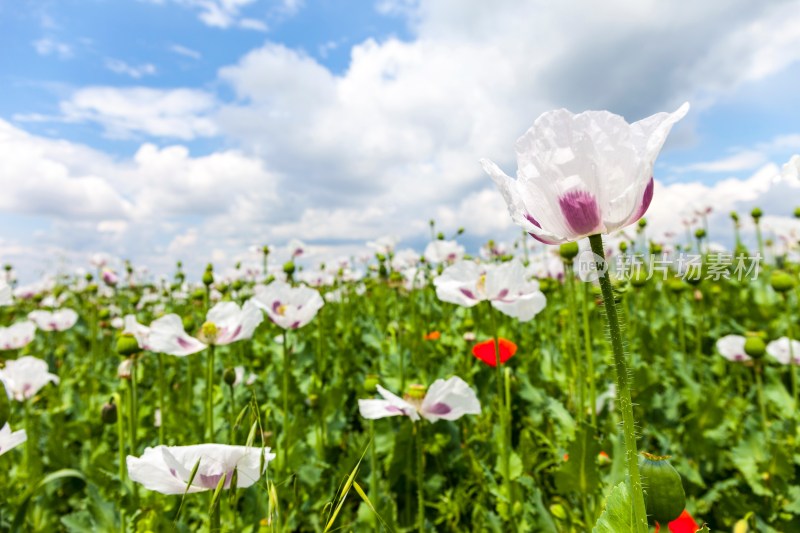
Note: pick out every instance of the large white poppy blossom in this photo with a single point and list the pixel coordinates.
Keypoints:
(234, 323)
(59, 320)
(506, 286)
(24, 377)
(783, 352)
(164, 335)
(731, 347)
(167, 469)
(11, 439)
(17, 335)
(287, 306)
(584, 174)
(445, 400)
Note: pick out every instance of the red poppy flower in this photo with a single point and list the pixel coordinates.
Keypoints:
(485, 351)
(683, 524)
(433, 336)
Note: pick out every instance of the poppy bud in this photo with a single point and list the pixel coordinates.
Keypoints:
(639, 278)
(208, 278)
(642, 223)
(665, 498)
(5, 407)
(229, 376)
(371, 382)
(699, 233)
(623, 247)
(416, 391)
(91, 288)
(103, 314)
(188, 323)
(108, 414)
(568, 251)
(734, 216)
(288, 268)
(781, 281)
(797, 212)
(312, 400)
(675, 285)
(754, 346)
(237, 285)
(756, 213)
(198, 295)
(127, 344)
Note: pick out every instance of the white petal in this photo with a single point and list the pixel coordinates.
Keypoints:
(450, 400)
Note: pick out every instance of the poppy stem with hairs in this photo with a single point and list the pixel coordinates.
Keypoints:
(29, 442)
(210, 393)
(792, 365)
(373, 469)
(163, 419)
(757, 368)
(420, 478)
(587, 340)
(623, 387)
(504, 441)
(285, 441)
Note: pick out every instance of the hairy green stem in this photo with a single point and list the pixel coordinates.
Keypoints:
(505, 445)
(161, 398)
(623, 387)
(587, 341)
(285, 441)
(210, 394)
(420, 478)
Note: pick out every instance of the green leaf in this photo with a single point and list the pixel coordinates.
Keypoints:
(618, 513)
(580, 473)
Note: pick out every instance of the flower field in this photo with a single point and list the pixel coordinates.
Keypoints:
(582, 378)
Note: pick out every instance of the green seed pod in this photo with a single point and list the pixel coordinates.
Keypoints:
(416, 392)
(664, 495)
(104, 313)
(188, 323)
(756, 213)
(371, 383)
(108, 414)
(797, 212)
(639, 278)
(288, 268)
(208, 278)
(127, 345)
(755, 347)
(700, 233)
(642, 223)
(623, 247)
(568, 251)
(229, 376)
(5, 406)
(781, 281)
(734, 216)
(676, 285)
(237, 285)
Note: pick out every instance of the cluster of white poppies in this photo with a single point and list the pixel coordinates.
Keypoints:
(784, 350)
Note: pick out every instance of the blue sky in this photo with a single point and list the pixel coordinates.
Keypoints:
(161, 129)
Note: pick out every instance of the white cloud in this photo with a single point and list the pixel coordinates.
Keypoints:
(744, 160)
(126, 112)
(46, 47)
(136, 72)
(185, 51)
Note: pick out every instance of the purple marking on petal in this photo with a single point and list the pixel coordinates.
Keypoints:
(295, 325)
(209, 482)
(532, 220)
(439, 408)
(647, 197)
(738, 357)
(468, 293)
(393, 409)
(502, 294)
(581, 211)
(183, 343)
(173, 472)
(236, 332)
(276, 305)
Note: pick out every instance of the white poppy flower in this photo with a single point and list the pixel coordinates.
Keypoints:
(59, 320)
(24, 377)
(506, 286)
(234, 323)
(287, 306)
(10, 440)
(731, 347)
(167, 469)
(17, 335)
(443, 252)
(584, 174)
(783, 352)
(6, 297)
(446, 400)
(168, 336)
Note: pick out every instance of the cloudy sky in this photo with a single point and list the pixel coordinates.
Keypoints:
(159, 130)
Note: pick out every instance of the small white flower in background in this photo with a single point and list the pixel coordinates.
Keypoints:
(384, 245)
(26, 376)
(296, 248)
(606, 399)
(109, 277)
(445, 400)
(505, 286)
(59, 320)
(6, 295)
(783, 352)
(167, 469)
(289, 307)
(584, 174)
(99, 260)
(17, 335)
(124, 369)
(443, 252)
(239, 371)
(731, 347)
(157, 418)
(117, 322)
(10, 440)
(405, 258)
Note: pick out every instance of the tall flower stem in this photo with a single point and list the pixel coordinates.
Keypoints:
(758, 368)
(569, 282)
(792, 365)
(373, 468)
(420, 479)
(210, 394)
(29, 442)
(623, 387)
(161, 391)
(132, 407)
(504, 443)
(587, 340)
(285, 441)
